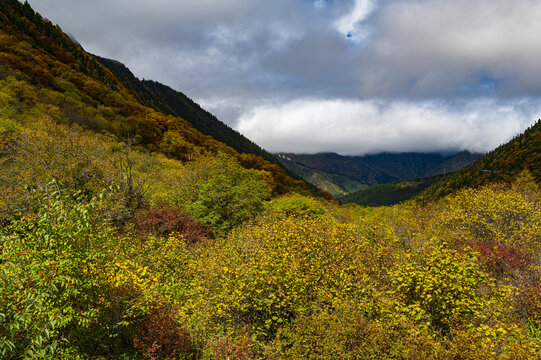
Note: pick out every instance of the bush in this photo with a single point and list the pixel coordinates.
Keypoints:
(349, 335)
(295, 205)
(442, 286)
(239, 346)
(494, 214)
(158, 335)
(267, 274)
(503, 260)
(44, 283)
(221, 194)
(164, 220)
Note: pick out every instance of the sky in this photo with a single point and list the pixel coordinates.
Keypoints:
(348, 76)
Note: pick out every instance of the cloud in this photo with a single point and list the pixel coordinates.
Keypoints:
(348, 24)
(440, 64)
(211, 48)
(361, 127)
(434, 47)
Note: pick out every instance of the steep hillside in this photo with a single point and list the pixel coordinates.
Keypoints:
(500, 165)
(454, 163)
(172, 102)
(35, 51)
(355, 168)
(332, 183)
(405, 165)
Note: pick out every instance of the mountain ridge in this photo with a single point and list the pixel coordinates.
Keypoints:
(341, 175)
(176, 103)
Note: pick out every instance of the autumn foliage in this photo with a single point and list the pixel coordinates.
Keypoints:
(127, 234)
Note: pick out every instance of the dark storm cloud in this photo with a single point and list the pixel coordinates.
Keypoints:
(469, 64)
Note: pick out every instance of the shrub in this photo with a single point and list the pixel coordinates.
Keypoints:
(266, 274)
(158, 335)
(239, 346)
(529, 301)
(441, 286)
(503, 260)
(164, 220)
(494, 214)
(349, 335)
(295, 205)
(222, 194)
(44, 283)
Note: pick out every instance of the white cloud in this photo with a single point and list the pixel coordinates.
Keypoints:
(360, 127)
(432, 47)
(348, 24)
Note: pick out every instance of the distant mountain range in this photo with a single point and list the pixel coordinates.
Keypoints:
(391, 193)
(502, 165)
(341, 175)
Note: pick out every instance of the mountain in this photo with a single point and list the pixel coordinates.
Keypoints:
(333, 183)
(83, 91)
(390, 193)
(341, 175)
(167, 100)
(503, 164)
(354, 169)
(454, 163)
(405, 165)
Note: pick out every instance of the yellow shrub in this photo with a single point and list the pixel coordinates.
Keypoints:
(494, 214)
(268, 273)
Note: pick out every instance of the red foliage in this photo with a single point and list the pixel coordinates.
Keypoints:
(159, 336)
(502, 259)
(240, 348)
(162, 221)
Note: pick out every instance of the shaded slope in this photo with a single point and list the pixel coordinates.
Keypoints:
(405, 165)
(354, 168)
(455, 163)
(332, 183)
(390, 193)
(345, 174)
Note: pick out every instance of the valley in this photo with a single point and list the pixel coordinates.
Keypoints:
(136, 225)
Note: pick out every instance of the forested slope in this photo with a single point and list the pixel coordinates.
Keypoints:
(39, 53)
(503, 164)
(341, 175)
(390, 193)
(172, 102)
